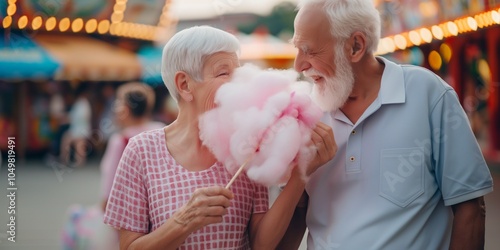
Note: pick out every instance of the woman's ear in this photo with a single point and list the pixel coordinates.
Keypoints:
(357, 46)
(182, 84)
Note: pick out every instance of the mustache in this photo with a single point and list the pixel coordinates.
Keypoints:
(312, 72)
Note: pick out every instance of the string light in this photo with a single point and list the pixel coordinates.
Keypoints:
(426, 35)
(11, 9)
(147, 32)
(472, 23)
(37, 23)
(50, 24)
(415, 37)
(64, 24)
(77, 25)
(437, 32)
(400, 42)
(103, 26)
(495, 16)
(91, 26)
(452, 28)
(7, 22)
(22, 22)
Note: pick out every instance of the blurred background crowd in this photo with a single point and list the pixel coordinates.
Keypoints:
(60, 59)
(51, 50)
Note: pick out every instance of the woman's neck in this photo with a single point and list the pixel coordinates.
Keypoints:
(183, 142)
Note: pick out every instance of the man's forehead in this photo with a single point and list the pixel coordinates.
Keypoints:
(310, 15)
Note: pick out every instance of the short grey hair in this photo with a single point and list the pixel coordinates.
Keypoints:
(349, 16)
(187, 50)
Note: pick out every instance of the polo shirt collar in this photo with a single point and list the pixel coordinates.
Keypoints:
(392, 88)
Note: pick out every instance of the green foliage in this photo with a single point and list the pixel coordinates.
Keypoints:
(279, 20)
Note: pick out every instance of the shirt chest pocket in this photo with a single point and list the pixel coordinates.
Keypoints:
(402, 175)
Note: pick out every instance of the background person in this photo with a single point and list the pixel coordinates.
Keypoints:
(80, 120)
(133, 109)
(84, 228)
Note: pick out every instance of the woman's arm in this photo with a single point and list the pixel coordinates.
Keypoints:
(297, 227)
(206, 206)
(267, 230)
(169, 236)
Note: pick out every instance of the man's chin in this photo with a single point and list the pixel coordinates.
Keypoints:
(323, 103)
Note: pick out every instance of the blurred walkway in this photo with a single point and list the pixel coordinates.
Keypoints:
(44, 193)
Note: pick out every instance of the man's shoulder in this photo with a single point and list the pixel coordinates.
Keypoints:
(423, 77)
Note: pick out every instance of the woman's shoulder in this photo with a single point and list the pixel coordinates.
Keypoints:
(148, 139)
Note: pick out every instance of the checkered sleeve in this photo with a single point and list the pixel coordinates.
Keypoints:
(261, 199)
(128, 202)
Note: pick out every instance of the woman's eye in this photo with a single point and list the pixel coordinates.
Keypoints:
(223, 74)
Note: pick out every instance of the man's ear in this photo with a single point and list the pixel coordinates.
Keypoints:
(357, 46)
(182, 84)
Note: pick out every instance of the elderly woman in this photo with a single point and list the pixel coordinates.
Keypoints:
(168, 190)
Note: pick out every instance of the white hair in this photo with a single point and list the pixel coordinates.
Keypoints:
(349, 16)
(187, 50)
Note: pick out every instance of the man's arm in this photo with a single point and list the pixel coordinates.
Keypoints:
(468, 225)
(295, 232)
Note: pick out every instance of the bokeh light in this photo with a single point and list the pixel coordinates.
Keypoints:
(103, 26)
(446, 52)
(484, 70)
(452, 28)
(64, 24)
(91, 26)
(437, 32)
(7, 22)
(22, 22)
(415, 37)
(400, 42)
(37, 23)
(77, 25)
(11, 10)
(472, 23)
(435, 60)
(50, 24)
(426, 35)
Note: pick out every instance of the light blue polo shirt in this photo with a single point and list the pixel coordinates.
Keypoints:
(409, 157)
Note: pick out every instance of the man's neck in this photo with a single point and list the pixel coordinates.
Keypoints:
(368, 78)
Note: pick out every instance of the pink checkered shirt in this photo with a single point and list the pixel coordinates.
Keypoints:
(149, 186)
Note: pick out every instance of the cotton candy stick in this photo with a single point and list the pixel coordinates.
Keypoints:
(238, 172)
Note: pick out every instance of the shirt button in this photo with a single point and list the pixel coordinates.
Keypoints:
(353, 132)
(352, 158)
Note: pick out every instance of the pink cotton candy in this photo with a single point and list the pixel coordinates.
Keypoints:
(265, 116)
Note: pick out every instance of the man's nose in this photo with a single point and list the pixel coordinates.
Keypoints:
(300, 63)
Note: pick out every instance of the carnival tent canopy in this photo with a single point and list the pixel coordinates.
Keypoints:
(87, 59)
(21, 58)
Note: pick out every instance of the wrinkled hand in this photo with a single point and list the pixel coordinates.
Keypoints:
(206, 206)
(326, 148)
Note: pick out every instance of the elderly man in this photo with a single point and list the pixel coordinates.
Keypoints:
(408, 173)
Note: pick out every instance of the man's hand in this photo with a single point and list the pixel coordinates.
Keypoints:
(326, 148)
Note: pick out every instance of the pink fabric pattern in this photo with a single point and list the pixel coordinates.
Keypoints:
(262, 115)
(150, 186)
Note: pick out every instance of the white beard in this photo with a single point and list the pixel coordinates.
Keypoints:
(334, 91)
